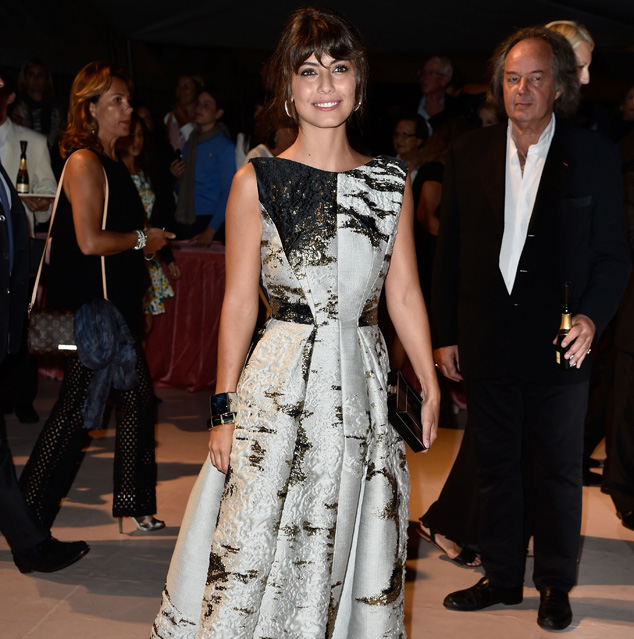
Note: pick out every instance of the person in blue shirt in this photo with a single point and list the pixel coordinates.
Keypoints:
(205, 174)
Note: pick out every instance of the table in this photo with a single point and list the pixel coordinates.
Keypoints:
(182, 348)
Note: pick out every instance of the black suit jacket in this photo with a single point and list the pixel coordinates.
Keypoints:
(13, 287)
(576, 234)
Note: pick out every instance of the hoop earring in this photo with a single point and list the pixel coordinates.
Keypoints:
(358, 106)
(286, 109)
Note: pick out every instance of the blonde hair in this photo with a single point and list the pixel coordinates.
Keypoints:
(574, 32)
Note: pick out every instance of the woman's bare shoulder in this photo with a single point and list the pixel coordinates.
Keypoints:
(243, 206)
(245, 174)
(83, 170)
(83, 160)
(245, 182)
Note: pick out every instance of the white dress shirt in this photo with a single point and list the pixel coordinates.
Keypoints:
(519, 197)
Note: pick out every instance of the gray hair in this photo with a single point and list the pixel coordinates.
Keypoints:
(446, 63)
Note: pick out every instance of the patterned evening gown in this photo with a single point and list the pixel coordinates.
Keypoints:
(306, 538)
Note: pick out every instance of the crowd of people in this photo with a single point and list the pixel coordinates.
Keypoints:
(482, 210)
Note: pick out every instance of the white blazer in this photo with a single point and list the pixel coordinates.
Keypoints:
(38, 162)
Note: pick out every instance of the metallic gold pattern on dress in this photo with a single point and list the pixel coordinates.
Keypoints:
(310, 540)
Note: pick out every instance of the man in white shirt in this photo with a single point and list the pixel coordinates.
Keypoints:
(526, 207)
(41, 177)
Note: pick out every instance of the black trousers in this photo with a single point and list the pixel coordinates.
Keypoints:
(17, 523)
(618, 475)
(56, 456)
(18, 377)
(529, 445)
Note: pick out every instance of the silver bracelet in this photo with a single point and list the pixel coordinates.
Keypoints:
(141, 240)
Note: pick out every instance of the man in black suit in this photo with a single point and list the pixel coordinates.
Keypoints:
(32, 547)
(526, 207)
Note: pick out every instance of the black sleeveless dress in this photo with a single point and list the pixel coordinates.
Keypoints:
(75, 278)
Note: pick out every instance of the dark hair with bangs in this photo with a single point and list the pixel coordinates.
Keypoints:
(564, 64)
(320, 31)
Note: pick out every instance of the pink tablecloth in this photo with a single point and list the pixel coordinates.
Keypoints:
(183, 347)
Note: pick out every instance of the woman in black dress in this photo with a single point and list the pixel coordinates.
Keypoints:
(99, 114)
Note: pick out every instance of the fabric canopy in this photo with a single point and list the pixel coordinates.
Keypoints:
(390, 26)
(68, 28)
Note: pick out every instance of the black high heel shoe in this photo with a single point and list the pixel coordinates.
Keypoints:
(147, 523)
(467, 556)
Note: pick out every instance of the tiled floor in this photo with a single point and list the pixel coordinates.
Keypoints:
(114, 591)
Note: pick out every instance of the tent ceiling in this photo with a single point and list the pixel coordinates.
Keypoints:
(172, 33)
(392, 26)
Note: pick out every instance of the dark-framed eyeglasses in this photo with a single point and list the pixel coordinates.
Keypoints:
(432, 73)
(403, 134)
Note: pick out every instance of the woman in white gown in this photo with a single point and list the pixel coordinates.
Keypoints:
(305, 535)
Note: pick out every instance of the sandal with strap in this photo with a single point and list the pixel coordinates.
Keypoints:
(148, 523)
(466, 557)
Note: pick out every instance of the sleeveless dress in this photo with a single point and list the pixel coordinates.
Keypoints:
(306, 537)
(160, 288)
(75, 279)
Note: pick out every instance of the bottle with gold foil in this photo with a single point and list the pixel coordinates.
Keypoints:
(22, 181)
(564, 328)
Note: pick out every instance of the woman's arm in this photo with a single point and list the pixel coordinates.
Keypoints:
(243, 230)
(84, 186)
(407, 311)
(428, 205)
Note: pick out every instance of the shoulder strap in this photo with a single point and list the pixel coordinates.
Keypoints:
(103, 228)
(49, 239)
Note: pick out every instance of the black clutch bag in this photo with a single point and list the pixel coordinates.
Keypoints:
(403, 410)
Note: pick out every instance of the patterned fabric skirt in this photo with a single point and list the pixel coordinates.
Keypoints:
(160, 289)
(306, 536)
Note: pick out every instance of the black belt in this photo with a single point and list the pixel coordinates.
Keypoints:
(301, 314)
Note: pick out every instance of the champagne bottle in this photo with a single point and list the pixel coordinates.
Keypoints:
(564, 328)
(22, 181)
